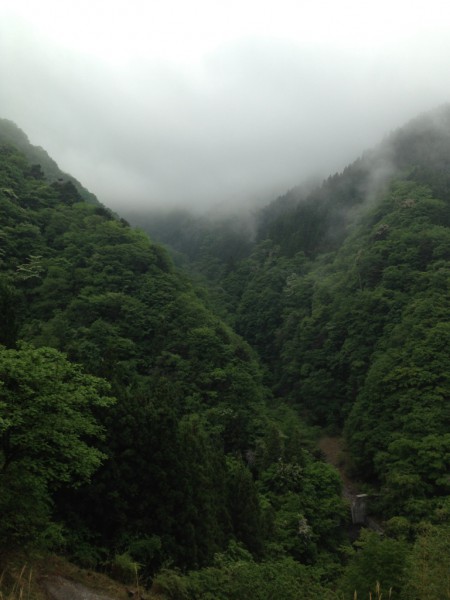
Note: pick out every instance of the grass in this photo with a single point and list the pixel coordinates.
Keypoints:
(22, 577)
(378, 593)
(16, 586)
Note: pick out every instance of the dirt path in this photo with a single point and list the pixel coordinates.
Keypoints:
(334, 453)
(332, 448)
(60, 588)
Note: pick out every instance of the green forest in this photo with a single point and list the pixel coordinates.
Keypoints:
(165, 391)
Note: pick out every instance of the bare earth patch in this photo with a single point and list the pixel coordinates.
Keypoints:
(333, 451)
(59, 588)
(53, 578)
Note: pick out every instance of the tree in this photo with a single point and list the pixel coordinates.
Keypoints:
(47, 432)
(380, 562)
(428, 568)
(244, 506)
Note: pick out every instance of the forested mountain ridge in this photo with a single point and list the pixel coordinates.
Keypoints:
(139, 431)
(12, 135)
(345, 297)
(364, 289)
(318, 221)
(314, 218)
(134, 425)
(362, 332)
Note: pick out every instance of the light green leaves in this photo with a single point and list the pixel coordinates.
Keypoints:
(47, 432)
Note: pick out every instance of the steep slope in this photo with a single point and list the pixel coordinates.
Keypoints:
(195, 455)
(78, 280)
(345, 298)
(361, 334)
(344, 295)
(318, 221)
(12, 135)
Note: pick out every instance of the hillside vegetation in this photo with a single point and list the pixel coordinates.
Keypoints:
(141, 431)
(344, 294)
(134, 424)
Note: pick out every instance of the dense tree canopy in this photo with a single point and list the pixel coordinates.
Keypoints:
(333, 316)
(344, 295)
(189, 436)
(48, 433)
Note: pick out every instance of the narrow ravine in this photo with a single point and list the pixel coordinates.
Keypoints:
(334, 453)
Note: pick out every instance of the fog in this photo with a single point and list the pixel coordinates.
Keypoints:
(206, 104)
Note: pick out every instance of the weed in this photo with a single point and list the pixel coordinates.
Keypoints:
(16, 587)
(378, 593)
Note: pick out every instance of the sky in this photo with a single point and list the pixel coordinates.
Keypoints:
(215, 104)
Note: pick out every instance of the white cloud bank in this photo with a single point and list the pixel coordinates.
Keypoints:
(208, 103)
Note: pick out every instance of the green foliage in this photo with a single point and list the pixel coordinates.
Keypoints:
(428, 567)
(41, 165)
(47, 434)
(355, 335)
(305, 506)
(188, 388)
(244, 506)
(124, 568)
(244, 578)
(343, 296)
(377, 560)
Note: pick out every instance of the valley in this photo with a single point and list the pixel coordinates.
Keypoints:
(178, 391)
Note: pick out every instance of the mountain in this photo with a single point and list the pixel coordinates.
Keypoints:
(12, 135)
(344, 295)
(135, 427)
(316, 222)
(142, 433)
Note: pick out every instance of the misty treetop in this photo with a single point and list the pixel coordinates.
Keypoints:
(333, 317)
(344, 295)
(41, 166)
(191, 431)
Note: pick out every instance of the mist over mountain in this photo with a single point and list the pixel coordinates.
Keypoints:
(11, 134)
(199, 106)
(167, 422)
(314, 216)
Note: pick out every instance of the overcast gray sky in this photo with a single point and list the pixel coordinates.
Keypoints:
(213, 103)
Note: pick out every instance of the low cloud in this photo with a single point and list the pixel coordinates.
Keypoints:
(252, 118)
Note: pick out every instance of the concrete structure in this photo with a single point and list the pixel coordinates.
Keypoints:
(359, 509)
